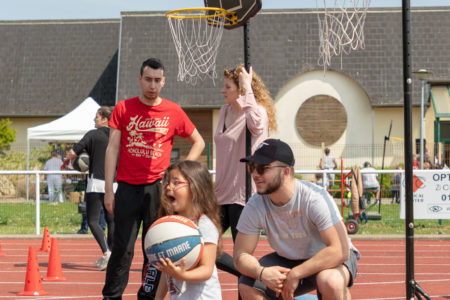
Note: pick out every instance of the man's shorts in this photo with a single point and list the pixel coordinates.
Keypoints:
(306, 284)
(371, 188)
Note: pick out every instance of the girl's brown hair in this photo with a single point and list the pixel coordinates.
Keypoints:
(262, 94)
(201, 188)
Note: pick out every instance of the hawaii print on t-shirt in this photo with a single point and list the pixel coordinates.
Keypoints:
(147, 134)
(137, 145)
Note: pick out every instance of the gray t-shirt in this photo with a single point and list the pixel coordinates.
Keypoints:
(293, 230)
(370, 179)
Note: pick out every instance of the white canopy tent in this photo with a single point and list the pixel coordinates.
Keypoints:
(69, 128)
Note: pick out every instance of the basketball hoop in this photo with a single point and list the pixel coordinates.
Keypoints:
(341, 29)
(197, 33)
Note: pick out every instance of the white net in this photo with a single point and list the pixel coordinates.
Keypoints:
(341, 29)
(196, 33)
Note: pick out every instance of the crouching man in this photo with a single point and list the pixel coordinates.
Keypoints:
(303, 226)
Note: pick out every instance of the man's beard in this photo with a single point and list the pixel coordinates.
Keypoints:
(272, 186)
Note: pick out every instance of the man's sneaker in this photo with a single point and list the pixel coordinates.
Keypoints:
(104, 263)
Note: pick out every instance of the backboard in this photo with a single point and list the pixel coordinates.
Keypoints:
(244, 9)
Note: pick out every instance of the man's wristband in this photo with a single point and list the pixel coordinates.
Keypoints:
(260, 273)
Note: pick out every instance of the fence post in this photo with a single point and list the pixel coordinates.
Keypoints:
(38, 203)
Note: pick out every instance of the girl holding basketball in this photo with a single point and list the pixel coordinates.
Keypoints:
(188, 191)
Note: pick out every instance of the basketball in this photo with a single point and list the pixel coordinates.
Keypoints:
(174, 237)
(81, 162)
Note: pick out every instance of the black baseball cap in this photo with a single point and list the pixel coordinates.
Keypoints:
(271, 150)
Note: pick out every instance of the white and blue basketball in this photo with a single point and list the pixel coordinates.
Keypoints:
(175, 237)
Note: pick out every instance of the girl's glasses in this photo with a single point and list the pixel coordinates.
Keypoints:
(260, 169)
(175, 184)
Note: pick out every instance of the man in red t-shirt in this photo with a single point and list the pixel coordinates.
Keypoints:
(141, 138)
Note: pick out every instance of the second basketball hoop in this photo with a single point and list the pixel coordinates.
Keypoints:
(197, 33)
(341, 28)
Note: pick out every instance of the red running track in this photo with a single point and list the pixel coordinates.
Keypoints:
(381, 270)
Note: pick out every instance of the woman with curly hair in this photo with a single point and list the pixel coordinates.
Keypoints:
(247, 104)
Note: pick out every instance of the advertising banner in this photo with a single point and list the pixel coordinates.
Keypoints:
(431, 194)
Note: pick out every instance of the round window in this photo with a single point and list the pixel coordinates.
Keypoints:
(321, 119)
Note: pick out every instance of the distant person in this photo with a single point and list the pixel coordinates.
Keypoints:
(187, 190)
(395, 185)
(142, 130)
(304, 228)
(427, 156)
(84, 229)
(94, 142)
(436, 160)
(415, 163)
(370, 180)
(54, 181)
(328, 162)
(319, 179)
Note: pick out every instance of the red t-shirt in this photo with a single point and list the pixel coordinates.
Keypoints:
(147, 137)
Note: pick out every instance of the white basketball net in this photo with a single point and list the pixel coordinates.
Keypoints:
(341, 29)
(196, 33)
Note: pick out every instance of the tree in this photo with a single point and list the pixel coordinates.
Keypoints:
(7, 135)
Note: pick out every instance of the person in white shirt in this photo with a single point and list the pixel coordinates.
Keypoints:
(370, 180)
(328, 162)
(54, 181)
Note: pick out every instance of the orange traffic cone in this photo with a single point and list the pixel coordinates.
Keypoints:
(1, 253)
(54, 270)
(45, 247)
(33, 284)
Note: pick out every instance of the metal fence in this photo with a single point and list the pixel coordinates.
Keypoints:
(352, 155)
(307, 157)
(24, 200)
(18, 213)
(382, 212)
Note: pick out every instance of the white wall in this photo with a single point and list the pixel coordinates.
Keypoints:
(21, 125)
(360, 116)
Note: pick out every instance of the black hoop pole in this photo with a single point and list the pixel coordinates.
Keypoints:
(248, 135)
(412, 287)
(409, 216)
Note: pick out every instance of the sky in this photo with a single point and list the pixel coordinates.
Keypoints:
(107, 9)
